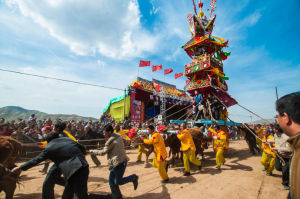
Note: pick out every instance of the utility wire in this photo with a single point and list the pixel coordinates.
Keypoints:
(58, 79)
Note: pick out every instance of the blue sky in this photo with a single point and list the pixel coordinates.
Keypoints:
(101, 42)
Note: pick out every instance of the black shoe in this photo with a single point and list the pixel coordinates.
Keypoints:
(218, 167)
(187, 174)
(136, 182)
(223, 162)
(165, 181)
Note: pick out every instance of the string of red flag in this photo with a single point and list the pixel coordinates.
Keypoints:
(155, 68)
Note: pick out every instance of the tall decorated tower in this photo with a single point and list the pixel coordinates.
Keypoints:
(205, 73)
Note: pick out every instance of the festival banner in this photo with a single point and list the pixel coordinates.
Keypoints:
(167, 71)
(156, 67)
(144, 63)
(135, 109)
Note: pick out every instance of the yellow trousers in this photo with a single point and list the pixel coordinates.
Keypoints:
(161, 168)
(141, 151)
(189, 156)
(220, 157)
(268, 161)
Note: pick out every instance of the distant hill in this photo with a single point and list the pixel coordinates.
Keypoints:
(15, 112)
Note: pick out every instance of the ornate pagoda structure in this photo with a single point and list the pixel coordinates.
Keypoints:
(205, 73)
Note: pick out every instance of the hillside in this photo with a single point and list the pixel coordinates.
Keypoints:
(14, 112)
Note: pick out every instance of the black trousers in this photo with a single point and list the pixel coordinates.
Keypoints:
(284, 169)
(77, 184)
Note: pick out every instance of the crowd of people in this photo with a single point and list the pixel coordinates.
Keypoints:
(278, 145)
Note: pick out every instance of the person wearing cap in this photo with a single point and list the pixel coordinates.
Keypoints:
(69, 157)
(219, 144)
(159, 160)
(188, 148)
(268, 156)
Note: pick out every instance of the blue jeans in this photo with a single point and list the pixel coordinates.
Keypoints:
(53, 177)
(116, 179)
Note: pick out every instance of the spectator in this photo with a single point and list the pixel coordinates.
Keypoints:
(288, 108)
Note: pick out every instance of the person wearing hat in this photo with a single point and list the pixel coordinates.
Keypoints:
(159, 160)
(188, 148)
(268, 156)
(69, 157)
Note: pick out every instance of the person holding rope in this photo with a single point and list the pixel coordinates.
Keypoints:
(117, 162)
(268, 156)
(159, 160)
(285, 151)
(288, 108)
(219, 140)
(69, 159)
(188, 148)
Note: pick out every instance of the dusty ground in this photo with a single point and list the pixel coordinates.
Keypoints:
(240, 177)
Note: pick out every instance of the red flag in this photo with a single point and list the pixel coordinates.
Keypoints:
(187, 81)
(167, 71)
(156, 67)
(177, 75)
(144, 63)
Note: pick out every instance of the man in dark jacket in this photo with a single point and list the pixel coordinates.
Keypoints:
(69, 157)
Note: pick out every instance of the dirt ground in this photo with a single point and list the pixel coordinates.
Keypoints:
(240, 177)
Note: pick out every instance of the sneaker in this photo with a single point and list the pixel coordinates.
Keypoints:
(223, 162)
(136, 182)
(269, 174)
(139, 161)
(264, 169)
(218, 167)
(165, 181)
(187, 174)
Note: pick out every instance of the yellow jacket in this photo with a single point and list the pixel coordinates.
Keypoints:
(44, 144)
(123, 133)
(186, 140)
(270, 139)
(221, 140)
(159, 146)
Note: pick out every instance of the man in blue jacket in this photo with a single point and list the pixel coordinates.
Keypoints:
(69, 157)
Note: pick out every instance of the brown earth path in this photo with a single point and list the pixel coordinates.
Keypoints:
(240, 177)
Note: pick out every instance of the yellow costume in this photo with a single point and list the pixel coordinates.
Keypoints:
(268, 156)
(188, 148)
(160, 154)
(214, 133)
(123, 133)
(220, 146)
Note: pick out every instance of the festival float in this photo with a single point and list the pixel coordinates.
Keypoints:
(205, 72)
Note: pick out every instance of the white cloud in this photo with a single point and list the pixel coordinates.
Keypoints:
(111, 28)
